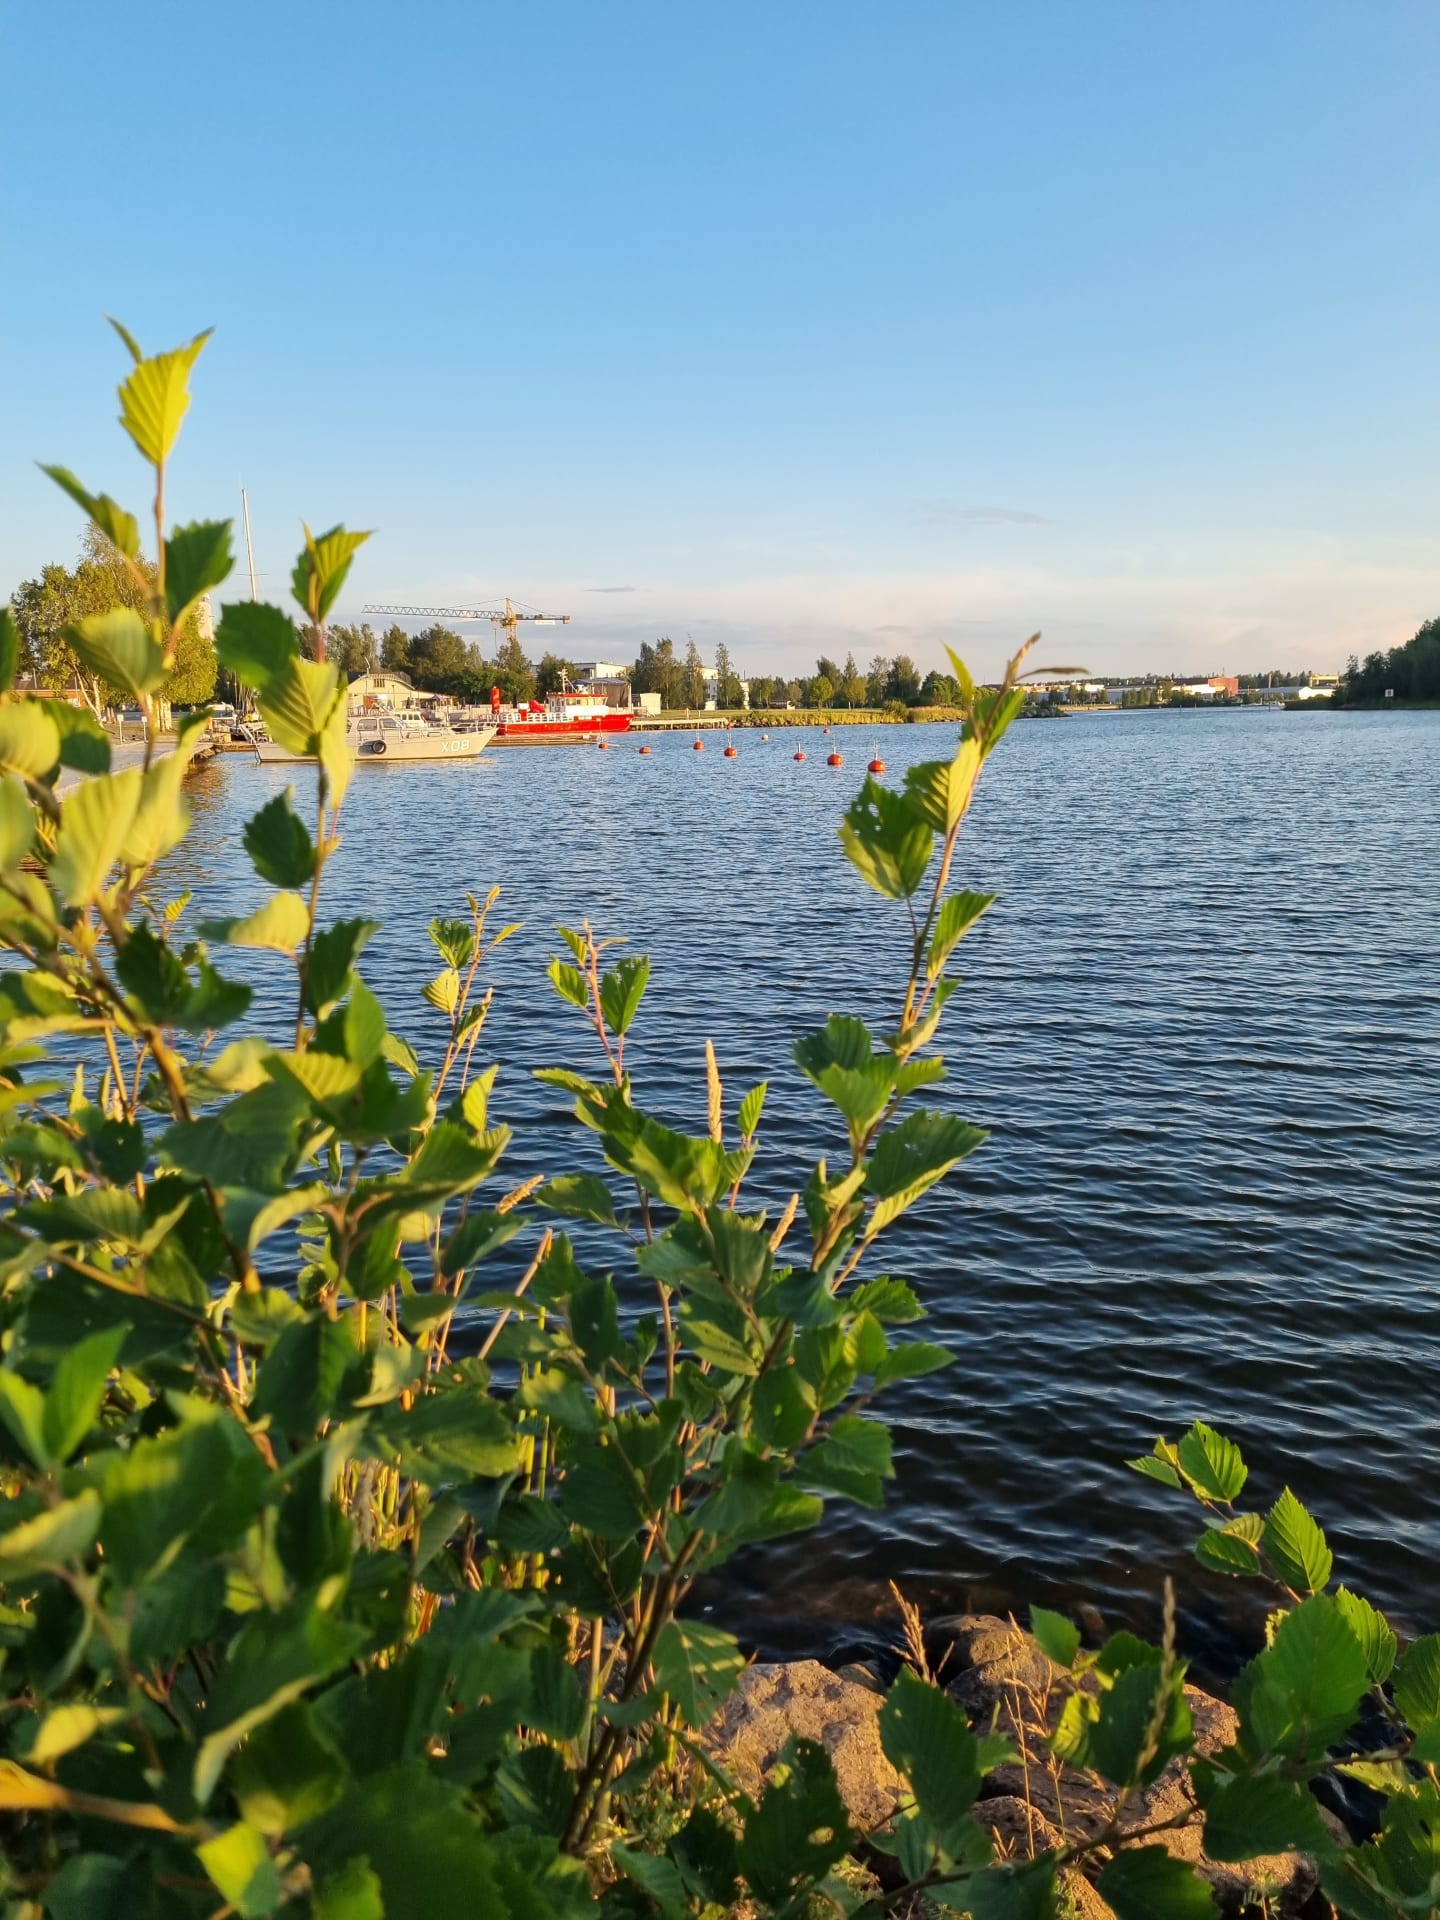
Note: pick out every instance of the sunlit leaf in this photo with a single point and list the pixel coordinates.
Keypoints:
(17, 823)
(887, 840)
(121, 529)
(697, 1665)
(29, 743)
(120, 648)
(197, 558)
(320, 570)
(280, 925)
(52, 1539)
(1295, 1546)
(1211, 1463)
(1058, 1637)
(94, 822)
(939, 790)
(154, 397)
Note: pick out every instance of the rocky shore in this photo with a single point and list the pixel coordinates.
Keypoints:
(1004, 1682)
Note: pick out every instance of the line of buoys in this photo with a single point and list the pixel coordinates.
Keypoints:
(834, 760)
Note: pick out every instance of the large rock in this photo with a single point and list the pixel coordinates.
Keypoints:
(1000, 1676)
(993, 1669)
(803, 1698)
(1018, 1689)
(1020, 1832)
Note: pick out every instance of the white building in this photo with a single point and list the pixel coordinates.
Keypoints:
(381, 691)
(600, 670)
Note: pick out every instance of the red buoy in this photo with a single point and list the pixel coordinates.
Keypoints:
(732, 753)
(834, 760)
(603, 745)
(644, 749)
(699, 746)
(877, 766)
(799, 753)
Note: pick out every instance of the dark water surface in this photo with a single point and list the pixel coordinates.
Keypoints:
(1203, 1023)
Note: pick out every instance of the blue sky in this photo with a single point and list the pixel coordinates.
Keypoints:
(810, 326)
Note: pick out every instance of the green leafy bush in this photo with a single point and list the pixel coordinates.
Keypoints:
(314, 1600)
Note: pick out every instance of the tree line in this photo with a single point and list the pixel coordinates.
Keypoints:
(440, 661)
(681, 683)
(60, 597)
(1409, 672)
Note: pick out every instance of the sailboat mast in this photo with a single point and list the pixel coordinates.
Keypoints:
(249, 548)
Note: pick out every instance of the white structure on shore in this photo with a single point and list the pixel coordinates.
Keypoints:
(381, 691)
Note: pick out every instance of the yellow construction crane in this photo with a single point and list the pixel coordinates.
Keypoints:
(502, 619)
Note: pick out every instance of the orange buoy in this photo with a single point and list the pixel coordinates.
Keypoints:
(877, 766)
(827, 733)
(732, 753)
(834, 760)
(799, 753)
(699, 746)
(603, 745)
(644, 749)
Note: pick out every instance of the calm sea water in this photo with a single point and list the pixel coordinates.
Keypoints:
(1203, 1023)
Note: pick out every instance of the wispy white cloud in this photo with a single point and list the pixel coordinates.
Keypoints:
(946, 513)
(612, 589)
(1216, 602)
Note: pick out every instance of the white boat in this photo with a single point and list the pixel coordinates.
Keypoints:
(377, 737)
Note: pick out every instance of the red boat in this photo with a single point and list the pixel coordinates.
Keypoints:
(576, 715)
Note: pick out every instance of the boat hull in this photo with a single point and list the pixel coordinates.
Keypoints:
(388, 752)
(543, 732)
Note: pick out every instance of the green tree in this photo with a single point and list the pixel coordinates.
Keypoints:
(877, 682)
(794, 695)
(658, 671)
(693, 681)
(192, 678)
(552, 673)
(939, 690)
(438, 658)
(512, 672)
(763, 691)
(904, 681)
(1409, 672)
(42, 609)
(353, 649)
(820, 691)
(395, 650)
(60, 597)
(728, 690)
